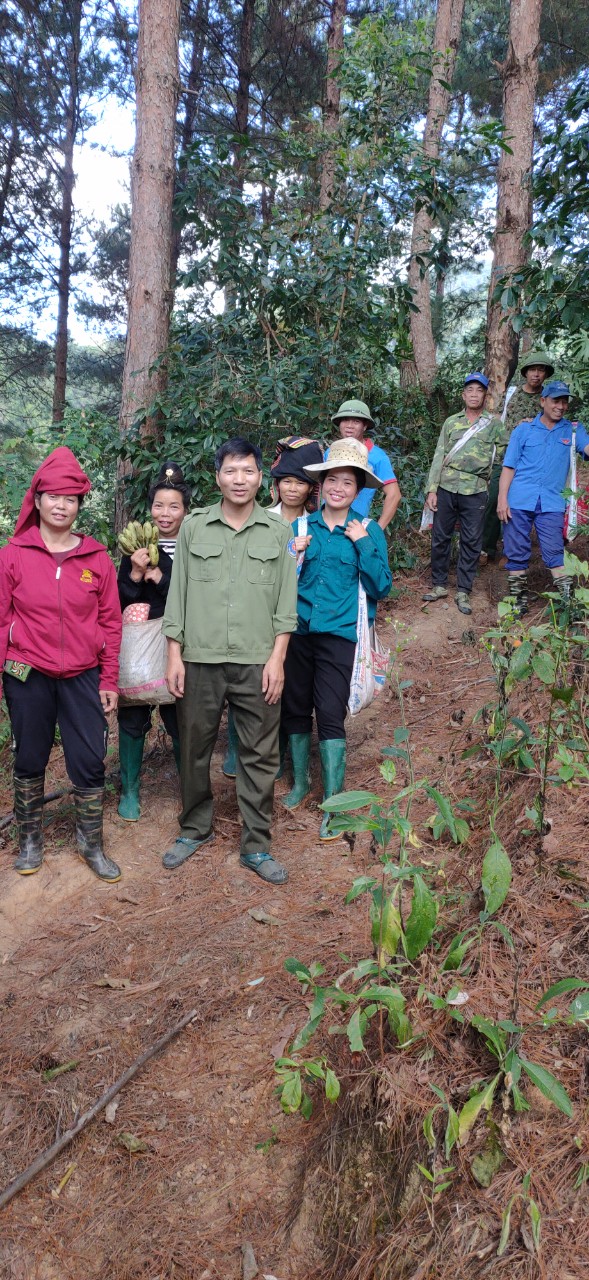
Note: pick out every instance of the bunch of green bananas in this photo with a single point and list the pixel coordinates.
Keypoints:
(138, 535)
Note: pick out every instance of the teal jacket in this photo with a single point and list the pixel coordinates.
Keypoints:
(332, 568)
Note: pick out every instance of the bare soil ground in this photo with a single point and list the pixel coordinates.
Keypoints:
(221, 1165)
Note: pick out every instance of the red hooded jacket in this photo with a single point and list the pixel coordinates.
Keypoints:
(61, 621)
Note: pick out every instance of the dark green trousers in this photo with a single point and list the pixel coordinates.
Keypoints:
(492, 525)
(208, 686)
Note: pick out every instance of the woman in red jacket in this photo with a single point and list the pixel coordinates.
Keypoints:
(60, 635)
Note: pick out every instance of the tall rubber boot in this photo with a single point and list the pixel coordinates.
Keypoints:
(563, 583)
(333, 772)
(28, 811)
(89, 808)
(230, 762)
(300, 752)
(283, 748)
(130, 759)
(517, 586)
(176, 750)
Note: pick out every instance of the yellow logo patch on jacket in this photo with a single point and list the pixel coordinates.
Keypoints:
(86, 575)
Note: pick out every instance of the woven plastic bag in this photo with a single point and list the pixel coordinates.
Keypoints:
(143, 660)
(371, 661)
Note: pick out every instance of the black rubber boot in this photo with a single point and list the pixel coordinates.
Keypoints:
(89, 809)
(176, 750)
(517, 586)
(28, 811)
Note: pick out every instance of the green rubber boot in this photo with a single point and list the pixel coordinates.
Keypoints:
(130, 758)
(333, 772)
(176, 750)
(230, 761)
(300, 751)
(283, 747)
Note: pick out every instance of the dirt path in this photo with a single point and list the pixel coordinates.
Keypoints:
(221, 1166)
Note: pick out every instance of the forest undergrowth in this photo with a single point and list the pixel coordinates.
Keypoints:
(420, 949)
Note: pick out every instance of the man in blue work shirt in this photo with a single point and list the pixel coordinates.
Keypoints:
(535, 470)
(354, 422)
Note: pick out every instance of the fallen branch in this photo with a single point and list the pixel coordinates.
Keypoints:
(46, 1157)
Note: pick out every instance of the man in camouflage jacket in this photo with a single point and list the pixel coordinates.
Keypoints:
(457, 487)
(522, 405)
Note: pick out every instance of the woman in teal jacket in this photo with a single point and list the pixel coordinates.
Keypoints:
(341, 553)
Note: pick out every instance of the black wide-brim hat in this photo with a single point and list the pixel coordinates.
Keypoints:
(296, 453)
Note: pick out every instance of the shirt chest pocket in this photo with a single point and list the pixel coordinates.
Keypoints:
(347, 563)
(205, 562)
(262, 565)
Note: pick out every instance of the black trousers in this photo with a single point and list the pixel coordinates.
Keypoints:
(470, 510)
(136, 721)
(39, 704)
(317, 674)
(207, 687)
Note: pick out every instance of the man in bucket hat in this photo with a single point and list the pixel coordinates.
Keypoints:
(534, 474)
(457, 489)
(354, 422)
(520, 406)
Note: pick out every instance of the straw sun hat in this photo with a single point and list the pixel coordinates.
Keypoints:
(346, 453)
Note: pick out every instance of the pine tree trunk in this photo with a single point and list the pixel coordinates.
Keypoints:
(446, 41)
(514, 185)
(193, 87)
(11, 155)
(228, 245)
(67, 179)
(152, 192)
(331, 109)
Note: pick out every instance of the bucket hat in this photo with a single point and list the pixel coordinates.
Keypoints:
(353, 409)
(346, 453)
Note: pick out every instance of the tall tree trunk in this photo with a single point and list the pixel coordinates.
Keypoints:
(331, 108)
(514, 185)
(11, 155)
(446, 42)
(67, 179)
(228, 247)
(199, 20)
(244, 79)
(152, 192)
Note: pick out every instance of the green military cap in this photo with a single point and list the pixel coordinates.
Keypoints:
(353, 409)
(536, 357)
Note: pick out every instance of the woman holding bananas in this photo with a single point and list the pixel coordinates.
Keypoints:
(144, 578)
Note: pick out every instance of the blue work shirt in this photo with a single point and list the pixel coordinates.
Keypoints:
(328, 582)
(541, 459)
(382, 467)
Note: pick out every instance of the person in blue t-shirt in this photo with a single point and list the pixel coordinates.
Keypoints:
(354, 422)
(535, 470)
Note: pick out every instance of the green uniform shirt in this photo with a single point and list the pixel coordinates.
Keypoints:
(523, 404)
(232, 591)
(469, 469)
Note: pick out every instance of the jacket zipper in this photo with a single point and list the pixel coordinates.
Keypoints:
(58, 577)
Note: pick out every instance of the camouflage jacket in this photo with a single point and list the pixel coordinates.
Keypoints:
(521, 405)
(468, 471)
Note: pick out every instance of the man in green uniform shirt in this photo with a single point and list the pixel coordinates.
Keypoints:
(523, 404)
(231, 607)
(457, 488)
